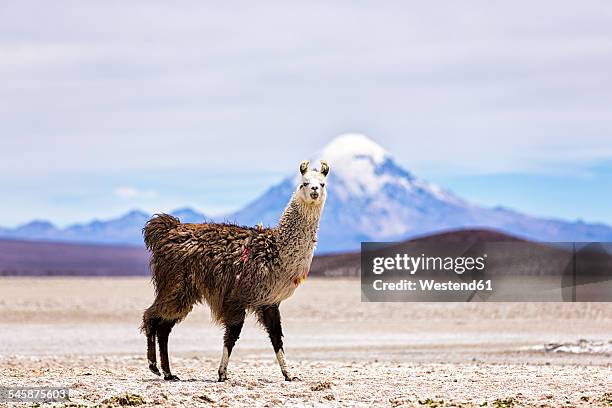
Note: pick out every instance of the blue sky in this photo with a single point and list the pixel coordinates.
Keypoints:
(109, 106)
(581, 193)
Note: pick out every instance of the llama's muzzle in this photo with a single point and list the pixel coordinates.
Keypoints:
(314, 195)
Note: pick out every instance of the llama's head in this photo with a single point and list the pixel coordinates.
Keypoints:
(312, 189)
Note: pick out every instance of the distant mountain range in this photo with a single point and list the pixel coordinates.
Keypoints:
(125, 230)
(370, 198)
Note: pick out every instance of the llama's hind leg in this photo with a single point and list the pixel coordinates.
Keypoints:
(174, 304)
(149, 327)
(269, 317)
(163, 332)
(233, 321)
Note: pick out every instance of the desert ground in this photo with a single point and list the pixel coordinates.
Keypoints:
(82, 333)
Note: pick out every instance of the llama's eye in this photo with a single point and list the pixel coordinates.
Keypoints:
(305, 184)
(322, 185)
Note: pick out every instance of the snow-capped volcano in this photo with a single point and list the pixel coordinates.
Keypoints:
(370, 198)
(355, 160)
(362, 167)
(366, 185)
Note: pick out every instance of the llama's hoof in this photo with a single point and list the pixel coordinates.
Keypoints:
(292, 378)
(154, 369)
(171, 377)
(222, 377)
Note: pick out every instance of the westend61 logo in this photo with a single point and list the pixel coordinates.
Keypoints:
(504, 271)
(412, 264)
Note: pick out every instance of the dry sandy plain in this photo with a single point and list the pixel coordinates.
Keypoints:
(83, 334)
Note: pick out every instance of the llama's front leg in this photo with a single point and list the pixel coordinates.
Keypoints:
(269, 317)
(233, 327)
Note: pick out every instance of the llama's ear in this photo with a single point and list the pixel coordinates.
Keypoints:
(324, 168)
(304, 167)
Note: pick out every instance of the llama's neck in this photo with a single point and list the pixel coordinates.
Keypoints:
(297, 230)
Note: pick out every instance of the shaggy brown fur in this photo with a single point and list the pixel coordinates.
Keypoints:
(233, 269)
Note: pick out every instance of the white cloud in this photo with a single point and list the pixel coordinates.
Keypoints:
(432, 84)
(127, 192)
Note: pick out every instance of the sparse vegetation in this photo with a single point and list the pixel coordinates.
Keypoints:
(607, 399)
(324, 385)
(430, 403)
(504, 403)
(204, 398)
(126, 400)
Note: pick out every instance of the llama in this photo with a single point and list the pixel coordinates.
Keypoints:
(235, 270)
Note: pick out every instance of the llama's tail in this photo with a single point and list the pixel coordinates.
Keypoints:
(156, 230)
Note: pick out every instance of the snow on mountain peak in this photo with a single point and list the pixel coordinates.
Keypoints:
(360, 166)
(355, 162)
(352, 145)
